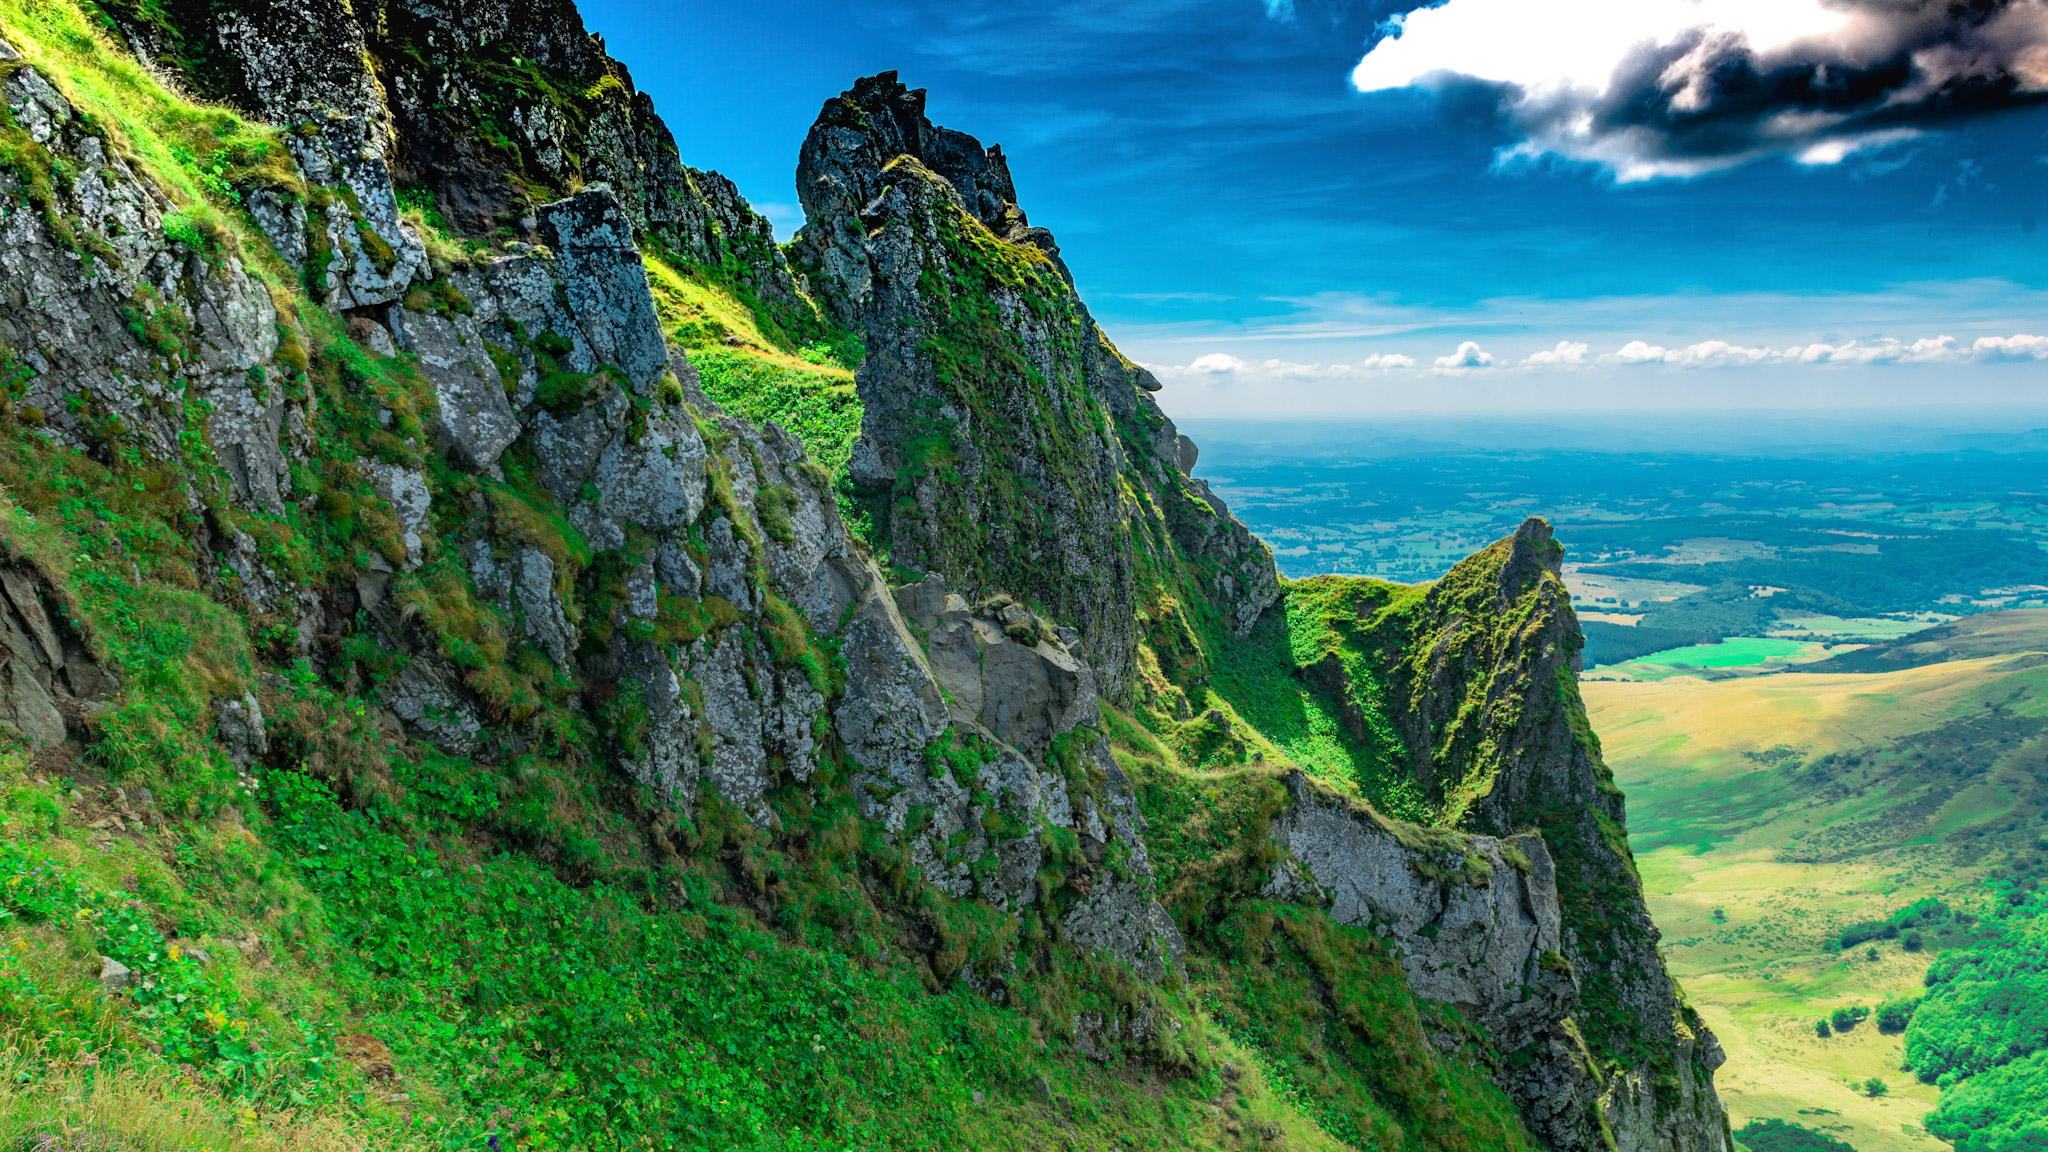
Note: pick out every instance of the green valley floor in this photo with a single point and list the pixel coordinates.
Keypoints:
(1771, 813)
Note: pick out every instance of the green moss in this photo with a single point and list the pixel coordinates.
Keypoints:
(773, 504)
(441, 298)
(379, 250)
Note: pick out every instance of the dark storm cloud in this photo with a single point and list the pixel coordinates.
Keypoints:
(1678, 87)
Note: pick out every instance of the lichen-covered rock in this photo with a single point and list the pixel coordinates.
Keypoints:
(241, 728)
(605, 283)
(1123, 919)
(892, 708)
(405, 490)
(476, 414)
(428, 696)
(50, 682)
(1003, 668)
(304, 64)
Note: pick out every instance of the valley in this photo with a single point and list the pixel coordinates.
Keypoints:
(1768, 814)
(1807, 743)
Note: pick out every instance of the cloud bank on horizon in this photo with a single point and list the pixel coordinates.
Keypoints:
(1657, 88)
(1469, 357)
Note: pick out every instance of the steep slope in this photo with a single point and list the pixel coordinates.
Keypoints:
(437, 720)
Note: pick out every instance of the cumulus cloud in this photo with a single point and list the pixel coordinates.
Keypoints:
(1565, 354)
(1706, 354)
(2011, 348)
(1655, 88)
(1223, 364)
(1468, 356)
(1215, 364)
(1220, 369)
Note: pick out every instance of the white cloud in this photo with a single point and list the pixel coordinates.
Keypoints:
(1655, 88)
(1221, 369)
(1468, 356)
(1884, 350)
(1566, 354)
(1216, 363)
(1573, 46)
(1930, 350)
(1223, 364)
(1706, 354)
(2011, 348)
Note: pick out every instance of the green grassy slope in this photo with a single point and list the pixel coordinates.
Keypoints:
(1988, 634)
(381, 945)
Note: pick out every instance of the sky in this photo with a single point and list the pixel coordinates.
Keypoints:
(1344, 208)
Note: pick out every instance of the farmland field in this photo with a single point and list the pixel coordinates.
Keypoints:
(1740, 653)
(1858, 628)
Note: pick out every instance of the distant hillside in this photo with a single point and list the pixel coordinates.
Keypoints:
(2019, 631)
(1771, 814)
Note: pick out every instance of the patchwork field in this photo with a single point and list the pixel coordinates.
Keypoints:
(1735, 656)
(1865, 628)
(1770, 813)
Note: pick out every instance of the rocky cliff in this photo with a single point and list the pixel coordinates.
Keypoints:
(1004, 441)
(521, 721)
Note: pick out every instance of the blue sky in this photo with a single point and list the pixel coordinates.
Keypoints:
(1277, 242)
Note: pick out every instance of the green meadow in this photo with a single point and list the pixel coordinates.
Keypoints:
(1735, 655)
(1770, 813)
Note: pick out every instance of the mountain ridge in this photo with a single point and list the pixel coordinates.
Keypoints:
(395, 526)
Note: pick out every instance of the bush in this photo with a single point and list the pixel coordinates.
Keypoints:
(1874, 1088)
(2003, 1110)
(1893, 1015)
(1821, 1029)
(1921, 912)
(1778, 1136)
(1845, 1019)
(1867, 930)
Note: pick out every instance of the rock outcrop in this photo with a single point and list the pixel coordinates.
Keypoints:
(1027, 791)
(1477, 924)
(50, 681)
(1484, 694)
(1002, 434)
